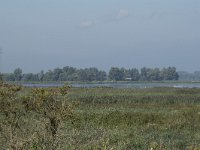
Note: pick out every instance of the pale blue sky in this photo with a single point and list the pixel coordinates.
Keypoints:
(45, 34)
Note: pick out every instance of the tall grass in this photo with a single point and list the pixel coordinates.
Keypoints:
(109, 118)
(157, 118)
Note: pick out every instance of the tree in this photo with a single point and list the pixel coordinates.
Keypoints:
(28, 77)
(69, 70)
(169, 73)
(144, 76)
(63, 76)
(154, 74)
(82, 75)
(135, 75)
(71, 73)
(18, 74)
(92, 74)
(56, 74)
(101, 76)
(8, 77)
(48, 76)
(115, 74)
(41, 75)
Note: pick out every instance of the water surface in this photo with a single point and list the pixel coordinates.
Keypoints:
(118, 85)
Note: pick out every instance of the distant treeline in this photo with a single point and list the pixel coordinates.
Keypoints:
(186, 76)
(93, 74)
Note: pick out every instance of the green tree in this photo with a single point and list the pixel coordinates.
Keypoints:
(134, 74)
(40, 75)
(56, 74)
(82, 75)
(92, 74)
(63, 76)
(115, 74)
(48, 76)
(102, 76)
(28, 77)
(154, 74)
(169, 73)
(18, 74)
(71, 73)
(144, 76)
(8, 77)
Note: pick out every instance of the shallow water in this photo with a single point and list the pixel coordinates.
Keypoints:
(119, 85)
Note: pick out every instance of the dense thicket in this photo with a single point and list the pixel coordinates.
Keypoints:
(93, 74)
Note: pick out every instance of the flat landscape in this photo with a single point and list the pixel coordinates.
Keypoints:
(158, 118)
(108, 118)
(99, 75)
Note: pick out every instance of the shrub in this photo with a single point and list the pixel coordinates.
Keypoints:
(33, 120)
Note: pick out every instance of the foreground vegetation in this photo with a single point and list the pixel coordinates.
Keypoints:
(99, 118)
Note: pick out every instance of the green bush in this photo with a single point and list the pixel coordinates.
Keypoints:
(33, 120)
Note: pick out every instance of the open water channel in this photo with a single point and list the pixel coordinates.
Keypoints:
(118, 85)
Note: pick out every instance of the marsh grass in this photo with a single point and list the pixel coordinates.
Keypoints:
(109, 118)
(157, 118)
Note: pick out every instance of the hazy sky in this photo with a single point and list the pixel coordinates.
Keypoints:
(45, 34)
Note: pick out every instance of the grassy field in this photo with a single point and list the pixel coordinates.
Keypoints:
(159, 118)
(108, 118)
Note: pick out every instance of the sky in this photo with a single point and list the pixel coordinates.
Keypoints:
(44, 34)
